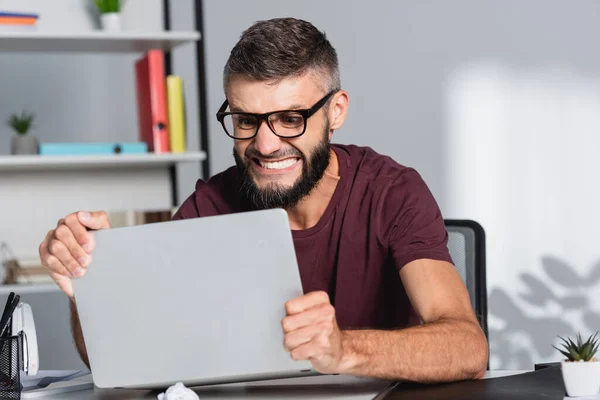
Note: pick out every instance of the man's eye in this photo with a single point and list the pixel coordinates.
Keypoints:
(290, 119)
(246, 122)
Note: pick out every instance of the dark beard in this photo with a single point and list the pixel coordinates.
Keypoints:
(275, 196)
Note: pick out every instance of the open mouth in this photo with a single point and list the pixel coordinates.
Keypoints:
(281, 164)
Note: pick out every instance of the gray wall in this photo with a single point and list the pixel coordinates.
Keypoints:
(497, 104)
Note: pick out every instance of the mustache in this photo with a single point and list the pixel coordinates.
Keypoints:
(251, 153)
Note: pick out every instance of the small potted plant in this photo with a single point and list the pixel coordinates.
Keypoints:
(22, 142)
(110, 14)
(580, 371)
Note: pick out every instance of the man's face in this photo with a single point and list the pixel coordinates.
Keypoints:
(279, 172)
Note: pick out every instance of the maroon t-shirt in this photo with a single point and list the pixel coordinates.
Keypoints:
(381, 217)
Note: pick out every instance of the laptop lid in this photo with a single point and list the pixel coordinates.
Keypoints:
(197, 301)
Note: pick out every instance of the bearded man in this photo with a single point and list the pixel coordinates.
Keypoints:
(381, 296)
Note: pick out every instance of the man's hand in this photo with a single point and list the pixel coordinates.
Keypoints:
(312, 333)
(66, 250)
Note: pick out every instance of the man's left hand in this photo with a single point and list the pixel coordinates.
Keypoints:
(312, 333)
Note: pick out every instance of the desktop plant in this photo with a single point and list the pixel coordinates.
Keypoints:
(22, 142)
(110, 14)
(581, 370)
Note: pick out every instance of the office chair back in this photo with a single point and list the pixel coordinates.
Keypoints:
(466, 244)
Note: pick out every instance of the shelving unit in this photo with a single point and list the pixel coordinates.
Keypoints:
(93, 42)
(100, 42)
(119, 182)
(36, 190)
(70, 163)
(26, 288)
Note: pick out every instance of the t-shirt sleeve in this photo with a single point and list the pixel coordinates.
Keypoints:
(418, 230)
(188, 209)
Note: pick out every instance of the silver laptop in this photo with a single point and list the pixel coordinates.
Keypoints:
(197, 301)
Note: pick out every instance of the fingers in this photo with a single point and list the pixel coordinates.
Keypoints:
(94, 220)
(80, 241)
(65, 251)
(305, 302)
(65, 284)
(59, 258)
(56, 270)
(304, 335)
(319, 313)
(52, 264)
(308, 351)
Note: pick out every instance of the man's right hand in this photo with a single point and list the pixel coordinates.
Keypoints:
(67, 250)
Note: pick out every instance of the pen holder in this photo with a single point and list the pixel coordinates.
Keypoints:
(10, 356)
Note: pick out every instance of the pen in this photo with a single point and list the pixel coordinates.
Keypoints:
(9, 308)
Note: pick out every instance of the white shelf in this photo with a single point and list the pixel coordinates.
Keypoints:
(25, 288)
(94, 42)
(46, 163)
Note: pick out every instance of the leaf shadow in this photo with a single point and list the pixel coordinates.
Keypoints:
(561, 273)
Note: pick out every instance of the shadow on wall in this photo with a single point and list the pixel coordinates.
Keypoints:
(525, 339)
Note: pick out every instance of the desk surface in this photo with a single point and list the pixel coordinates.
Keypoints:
(313, 388)
(544, 384)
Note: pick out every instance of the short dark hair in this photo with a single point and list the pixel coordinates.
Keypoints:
(281, 48)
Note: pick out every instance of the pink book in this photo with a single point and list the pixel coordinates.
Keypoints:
(152, 101)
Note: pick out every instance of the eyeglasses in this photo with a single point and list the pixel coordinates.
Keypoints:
(283, 123)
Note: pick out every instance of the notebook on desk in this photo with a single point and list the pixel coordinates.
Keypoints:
(198, 301)
(55, 383)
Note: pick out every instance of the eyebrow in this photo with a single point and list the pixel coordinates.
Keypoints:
(292, 107)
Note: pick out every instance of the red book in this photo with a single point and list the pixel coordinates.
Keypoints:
(152, 101)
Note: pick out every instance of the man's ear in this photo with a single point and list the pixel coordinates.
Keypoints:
(338, 109)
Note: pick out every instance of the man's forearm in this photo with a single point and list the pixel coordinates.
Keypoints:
(441, 351)
(78, 334)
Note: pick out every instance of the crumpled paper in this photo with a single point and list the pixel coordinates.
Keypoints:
(178, 392)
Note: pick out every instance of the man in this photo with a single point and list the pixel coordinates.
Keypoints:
(369, 236)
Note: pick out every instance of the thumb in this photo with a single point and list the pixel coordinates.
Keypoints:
(64, 283)
(94, 220)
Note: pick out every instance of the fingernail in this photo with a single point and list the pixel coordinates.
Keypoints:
(85, 216)
(79, 272)
(83, 261)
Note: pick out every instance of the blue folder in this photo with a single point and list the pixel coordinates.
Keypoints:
(79, 149)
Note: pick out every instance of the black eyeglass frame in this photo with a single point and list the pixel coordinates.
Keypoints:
(306, 114)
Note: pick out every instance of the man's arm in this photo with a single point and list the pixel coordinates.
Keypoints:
(78, 334)
(449, 345)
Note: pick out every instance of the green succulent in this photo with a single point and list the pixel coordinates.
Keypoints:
(108, 6)
(21, 123)
(580, 351)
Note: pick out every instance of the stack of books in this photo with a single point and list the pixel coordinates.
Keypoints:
(11, 21)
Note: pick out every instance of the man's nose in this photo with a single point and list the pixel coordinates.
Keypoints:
(266, 142)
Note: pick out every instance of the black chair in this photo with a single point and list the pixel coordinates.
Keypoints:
(466, 244)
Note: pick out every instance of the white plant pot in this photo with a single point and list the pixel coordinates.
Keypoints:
(581, 378)
(111, 22)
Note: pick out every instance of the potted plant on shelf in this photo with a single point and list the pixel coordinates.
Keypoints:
(580, 371)
(21, 142)
(110, 14)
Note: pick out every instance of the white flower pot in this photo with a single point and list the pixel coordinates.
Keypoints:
(581, 378)
(111, 22)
